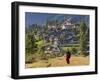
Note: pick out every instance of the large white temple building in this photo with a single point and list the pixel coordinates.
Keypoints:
(66, 24)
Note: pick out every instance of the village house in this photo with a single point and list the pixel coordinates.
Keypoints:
(66, 24)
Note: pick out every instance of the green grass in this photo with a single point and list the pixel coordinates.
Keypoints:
(73, 45)
(69, 45)
(66, 48)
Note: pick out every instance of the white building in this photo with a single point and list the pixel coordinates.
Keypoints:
(67, 24)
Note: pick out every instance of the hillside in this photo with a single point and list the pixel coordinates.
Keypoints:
(59, 61)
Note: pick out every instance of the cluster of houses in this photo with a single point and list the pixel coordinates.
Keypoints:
(66, 24)
(54, 35)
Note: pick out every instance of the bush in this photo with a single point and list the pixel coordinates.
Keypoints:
(74, 50)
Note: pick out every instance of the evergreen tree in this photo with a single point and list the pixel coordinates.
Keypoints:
(83, 38)
(30, 45)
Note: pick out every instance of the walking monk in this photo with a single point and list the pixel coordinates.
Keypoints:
(68, 56)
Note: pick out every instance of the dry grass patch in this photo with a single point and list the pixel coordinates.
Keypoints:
(60, 61)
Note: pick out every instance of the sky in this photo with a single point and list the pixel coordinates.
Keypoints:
(41, 18)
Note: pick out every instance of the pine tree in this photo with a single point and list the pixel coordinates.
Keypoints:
(83, 38)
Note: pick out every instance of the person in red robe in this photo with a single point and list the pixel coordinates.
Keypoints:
(68, 56)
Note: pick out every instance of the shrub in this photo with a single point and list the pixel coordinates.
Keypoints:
(74, 50)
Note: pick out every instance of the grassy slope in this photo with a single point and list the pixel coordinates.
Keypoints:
(60, 61)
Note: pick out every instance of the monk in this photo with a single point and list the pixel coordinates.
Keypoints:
(68, 56)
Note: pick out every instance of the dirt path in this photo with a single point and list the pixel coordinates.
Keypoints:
(60, 61)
